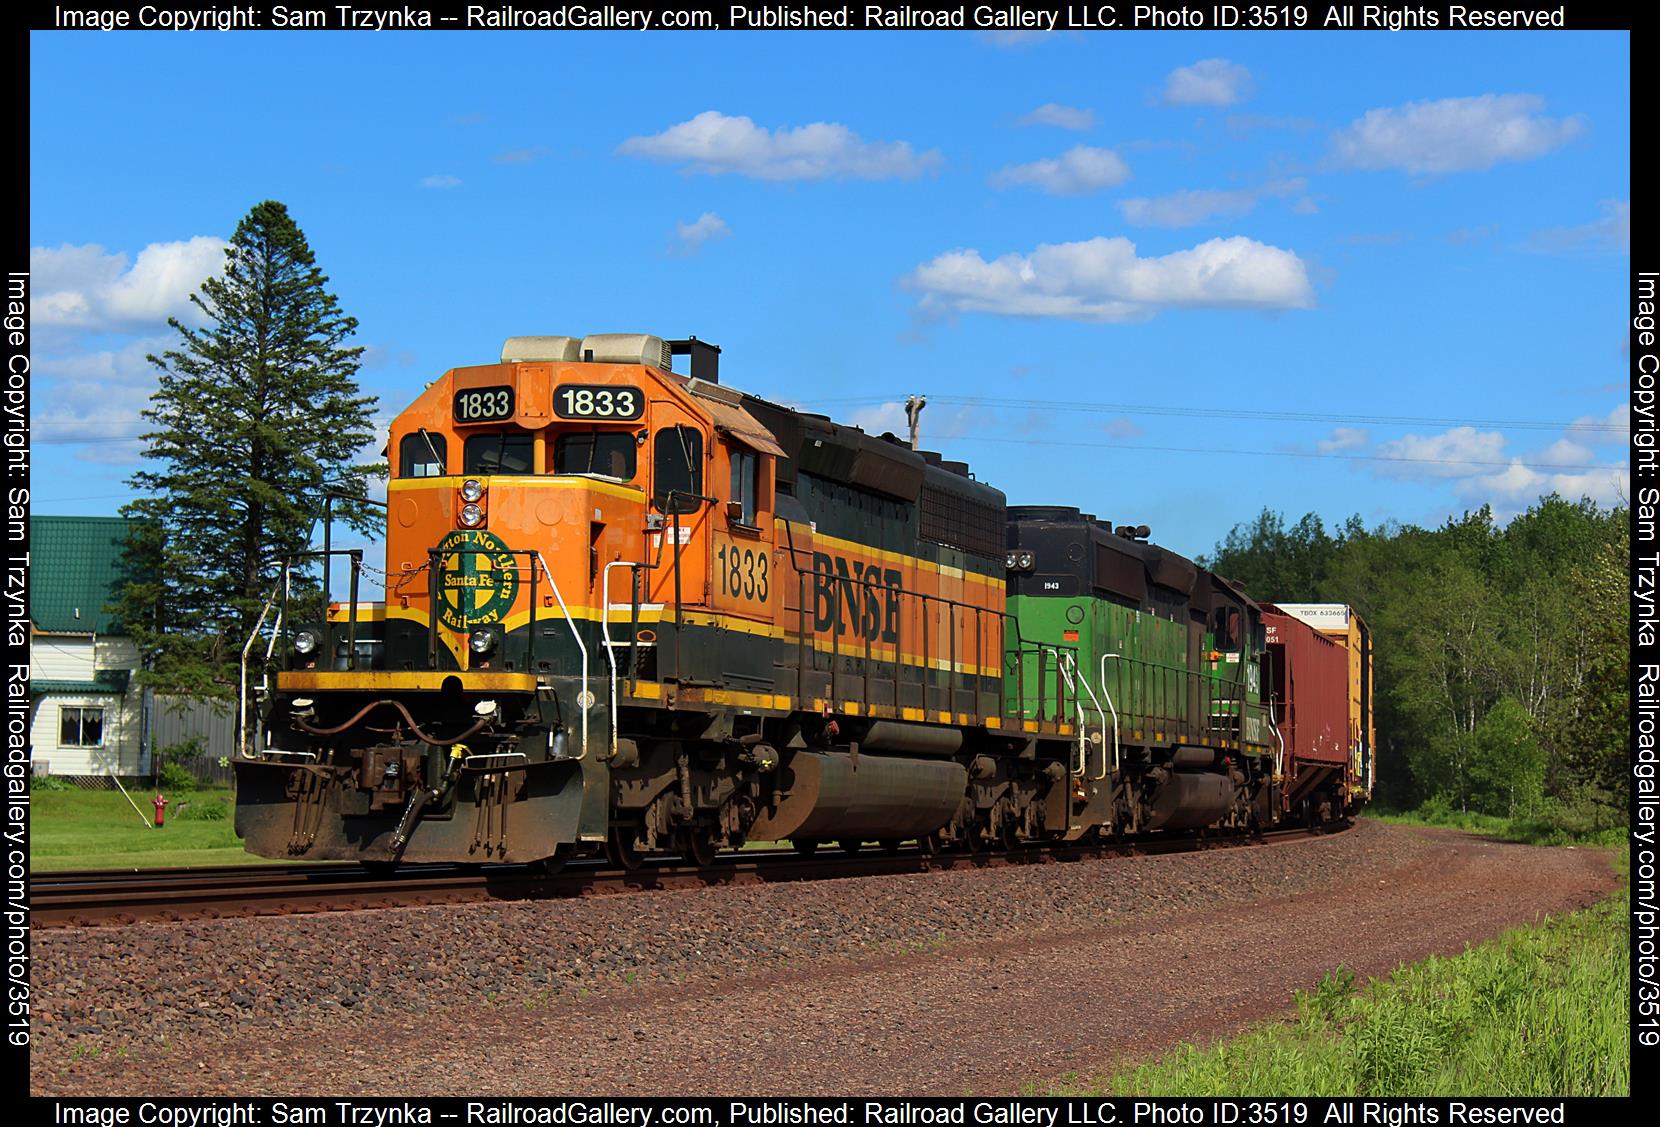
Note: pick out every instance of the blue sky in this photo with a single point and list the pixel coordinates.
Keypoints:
(1334, 272)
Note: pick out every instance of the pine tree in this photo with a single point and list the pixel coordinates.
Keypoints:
(254, 413)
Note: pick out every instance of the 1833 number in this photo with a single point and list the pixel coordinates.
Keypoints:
(743, 572)
(483, 404)
(597, 401)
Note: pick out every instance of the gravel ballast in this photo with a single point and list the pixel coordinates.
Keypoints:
(937, 983)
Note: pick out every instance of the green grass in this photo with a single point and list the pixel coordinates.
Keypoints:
(1539, 1011)
(96, 829)
(1553, 826)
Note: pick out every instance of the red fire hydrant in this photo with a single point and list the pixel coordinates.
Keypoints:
(161, 811)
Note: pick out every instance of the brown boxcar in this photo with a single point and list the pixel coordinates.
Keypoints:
(1308, 683)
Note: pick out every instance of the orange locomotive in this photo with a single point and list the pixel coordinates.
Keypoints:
(632, 607)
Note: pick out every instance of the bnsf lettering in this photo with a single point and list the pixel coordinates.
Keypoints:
(856, 598)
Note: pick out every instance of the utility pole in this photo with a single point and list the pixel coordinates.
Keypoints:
(913, 414)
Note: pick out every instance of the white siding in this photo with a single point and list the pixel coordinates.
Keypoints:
(59, 658)
(67, 658)
(120, 750)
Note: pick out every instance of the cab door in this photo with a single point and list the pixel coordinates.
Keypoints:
(679, 455)
(744, 580)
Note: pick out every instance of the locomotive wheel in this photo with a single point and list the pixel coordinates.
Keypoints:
(850, 845)
(929, 844)
(620, 849)
(1010, 835)
(890, 845)
(974, 843)
(805, 846)
(699, 847)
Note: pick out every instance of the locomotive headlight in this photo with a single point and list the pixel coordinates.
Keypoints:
(482, 642)
(1011, 561)
(471, 515)
(305, 643)
(1025, 561)
(472, 489)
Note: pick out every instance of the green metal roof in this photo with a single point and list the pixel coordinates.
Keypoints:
(104, 681)
(74, 572)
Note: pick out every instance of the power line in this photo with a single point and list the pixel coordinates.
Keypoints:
(1283, 453)
(1233, 413)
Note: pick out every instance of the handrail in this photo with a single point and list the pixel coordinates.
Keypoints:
(242, 675)
(605, 633)
(1061, 667)
(581, 648)
(1279, 759)
(1084, 681)
(1116, 754)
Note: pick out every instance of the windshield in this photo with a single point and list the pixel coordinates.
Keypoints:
(508, 452)
(611, 453)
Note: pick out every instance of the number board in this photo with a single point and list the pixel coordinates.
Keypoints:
(598, 401)
(483, 404)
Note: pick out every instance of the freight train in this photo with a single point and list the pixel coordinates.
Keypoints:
(634, 610)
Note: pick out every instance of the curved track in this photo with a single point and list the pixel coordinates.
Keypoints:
(93, 898)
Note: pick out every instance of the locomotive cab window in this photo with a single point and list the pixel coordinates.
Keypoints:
(611, 453)
(422, 455)
(506, 452)
(746, 478)
(677, 467)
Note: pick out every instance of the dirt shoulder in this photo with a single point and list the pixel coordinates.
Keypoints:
(932, 984)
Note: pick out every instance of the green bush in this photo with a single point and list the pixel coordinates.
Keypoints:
(206, 810)
(49, 782)
(175, 777)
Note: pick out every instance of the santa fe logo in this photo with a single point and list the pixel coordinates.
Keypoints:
(481, 579)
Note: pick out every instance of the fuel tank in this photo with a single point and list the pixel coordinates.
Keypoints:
(833, 795)
(1188, 800)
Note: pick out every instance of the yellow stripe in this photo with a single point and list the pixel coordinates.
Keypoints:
(946, 570)
(626, 492)
(387, 681)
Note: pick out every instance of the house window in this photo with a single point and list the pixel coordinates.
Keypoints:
(80, 727)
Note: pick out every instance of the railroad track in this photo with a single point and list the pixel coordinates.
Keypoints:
(90, 898)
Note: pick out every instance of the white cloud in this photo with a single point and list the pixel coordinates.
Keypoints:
(701, 230)
(1063, 117)
(881, 418)
(1613, 428)
(441, 182)
(1193, 206)
(1343, 438)
(1010, 39)
(1077, 172)
(1610, 234)
(936, 424)
(1103, 280)
(1208, 82)
(1453, 134)
(84, 287)
(521, 156)
(1458, 452)
(1522, 485)
(714, 143)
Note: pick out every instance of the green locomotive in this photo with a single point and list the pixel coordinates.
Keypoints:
(1167, 674)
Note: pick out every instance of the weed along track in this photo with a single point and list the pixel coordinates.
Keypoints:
(831, 985)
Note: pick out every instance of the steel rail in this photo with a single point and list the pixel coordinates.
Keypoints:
(84, 898)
